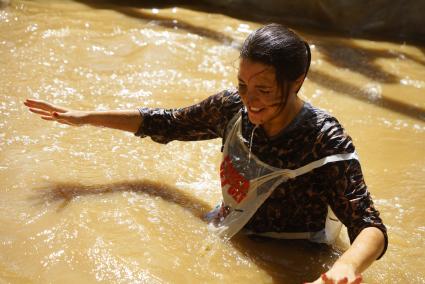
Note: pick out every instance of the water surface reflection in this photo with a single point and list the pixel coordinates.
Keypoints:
(86, 204)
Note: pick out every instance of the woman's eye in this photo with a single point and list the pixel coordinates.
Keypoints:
(264, 92)
(241, 87)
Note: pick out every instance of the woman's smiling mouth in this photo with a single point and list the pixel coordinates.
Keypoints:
(255, 109)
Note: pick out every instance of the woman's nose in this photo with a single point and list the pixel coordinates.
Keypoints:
(251, 96)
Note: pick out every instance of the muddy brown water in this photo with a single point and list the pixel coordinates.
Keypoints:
(88, 204)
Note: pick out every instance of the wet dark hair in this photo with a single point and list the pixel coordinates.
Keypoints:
(281, 48)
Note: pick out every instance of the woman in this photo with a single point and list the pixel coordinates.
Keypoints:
(287, 166)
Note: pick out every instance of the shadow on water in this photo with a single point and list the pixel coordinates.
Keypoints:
(286, 261)
(351, 90)
(133, 9)
(65, 192)
(347, 54)
(356, 59)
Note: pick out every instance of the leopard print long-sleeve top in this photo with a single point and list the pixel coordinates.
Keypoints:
(300, 204)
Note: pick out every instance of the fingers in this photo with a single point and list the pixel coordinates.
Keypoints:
(46, 115)
(50, 118)
(358, 279)
(47, 118)
(326, 280)
(46, 110)
(42, 105)
(42, 112)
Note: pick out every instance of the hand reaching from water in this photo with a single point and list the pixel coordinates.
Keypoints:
(49, 111)
(339, 274)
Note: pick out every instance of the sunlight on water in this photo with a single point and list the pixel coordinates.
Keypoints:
(86, 204)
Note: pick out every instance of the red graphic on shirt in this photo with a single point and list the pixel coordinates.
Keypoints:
(238, 185)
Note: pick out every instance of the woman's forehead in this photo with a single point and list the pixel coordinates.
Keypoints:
(252, 70)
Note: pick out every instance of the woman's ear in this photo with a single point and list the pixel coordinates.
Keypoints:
(296, 85)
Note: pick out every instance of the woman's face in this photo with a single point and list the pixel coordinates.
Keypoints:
(259, 91)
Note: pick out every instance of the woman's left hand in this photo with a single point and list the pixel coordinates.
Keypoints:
(339, 274)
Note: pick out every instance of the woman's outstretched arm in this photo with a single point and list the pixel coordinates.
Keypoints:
(127, 120)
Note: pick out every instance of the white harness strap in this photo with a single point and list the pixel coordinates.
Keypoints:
(329, 159)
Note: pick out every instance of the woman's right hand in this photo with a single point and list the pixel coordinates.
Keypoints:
(48, 111)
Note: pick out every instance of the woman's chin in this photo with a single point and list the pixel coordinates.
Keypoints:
(255, 118)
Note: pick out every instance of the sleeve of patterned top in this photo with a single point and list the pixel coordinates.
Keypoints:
(202, 121)
(345, 188)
